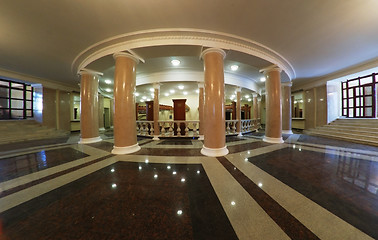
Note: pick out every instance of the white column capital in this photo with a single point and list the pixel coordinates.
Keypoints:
(259, 99)
(210, 50)
(286, 84)
(255, 95)
(156, 85)
(128, 55)
(89, 72)
(270, 69)
(238, 89)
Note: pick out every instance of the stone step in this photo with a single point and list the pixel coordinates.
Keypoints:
(371, 140)
(355, 130)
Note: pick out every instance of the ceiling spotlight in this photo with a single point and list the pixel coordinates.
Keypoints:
(234, 67)
(181, 87)
(249, 99)
(152, 90)
(262, 79)
(144, 97)
(175, 62)
(246, 96)
(197, 91)
(172, 91)
(108, 81)
(166, 94)
(148, 99)
(185, 93)
(108, 90)
(136, 94)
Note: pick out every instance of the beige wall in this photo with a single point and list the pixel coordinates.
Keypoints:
(316, 107)
(49, 108)
(64, 111)
(263, 110)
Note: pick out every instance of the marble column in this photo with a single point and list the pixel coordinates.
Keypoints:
(258, 113)
(255, 110)
(156, 111)
(125, 135)
(200, 110)
(286, 108)
(89, 107)
(273, 126)
(101, 125)
(215, 132)
(238, 111)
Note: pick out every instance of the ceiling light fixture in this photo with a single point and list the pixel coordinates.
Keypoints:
(172, 91)
(181, 87)
(136, 94)
(166, 94)
(108, 81)
(108, 90)
(152, 90)
(185, 93)
(262, 79)
(234, 67)
(175, 62)
(197, 91)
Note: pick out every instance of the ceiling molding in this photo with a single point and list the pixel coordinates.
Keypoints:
(198, 37)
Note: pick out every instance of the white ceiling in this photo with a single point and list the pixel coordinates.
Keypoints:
(317, 37)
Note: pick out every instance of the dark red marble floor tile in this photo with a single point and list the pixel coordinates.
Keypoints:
(170, 152)
(247, 146)
(32, 143)
(345, 186)
(176, 142)
(125, 201)
(289, 224)
(14, 167)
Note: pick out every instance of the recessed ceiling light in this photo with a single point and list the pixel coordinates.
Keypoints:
(108, 81)
(181, 87)
(246, 96)
(136, 94)
(249, 99)
(175, 62)
(185, 93)
(166, 94)
(144, 97)
(234, 67)
(197, 91)
(148, 99)
(172, 91)
(152, 90)
(108, 90)
(262, 79)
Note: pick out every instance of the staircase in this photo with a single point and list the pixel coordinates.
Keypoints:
(364, 131)
(22, 130)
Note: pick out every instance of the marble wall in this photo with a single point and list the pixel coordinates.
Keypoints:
(316, 107)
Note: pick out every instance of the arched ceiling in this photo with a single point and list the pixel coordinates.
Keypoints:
(315, 37)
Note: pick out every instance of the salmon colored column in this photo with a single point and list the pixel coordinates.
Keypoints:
(125, 135)
(273, 126)
(255, 110)
(286, 108)
(238, 111)
(89, 107)
(215, 132)
(200, 111)
(156, 111)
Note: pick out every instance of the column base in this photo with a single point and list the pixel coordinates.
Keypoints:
(89, 140)
(287, 132)
(240, 134)
(126, 150)
(201, 137)
(214, 152)
(273, 140)
(156, 137)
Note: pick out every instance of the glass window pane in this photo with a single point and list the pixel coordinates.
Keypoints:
(4, 113)
(344, 93)
(344, 112)
(357, 91)
(368, 90)
(344, 103)
(17, 103)
(357, 112)
(351, 103)
(368, 101)
(28, 105)
(357, 102)
(17, 113)
(350, 112)
(17, 93)
(351, 94)
(4, 83)
(28, 96)
(368, 112)
(29, 88)
(366, 80)
(17, 85)
(353, 83)
(4, 92)
(29, 113)
(4, 103)
(344, 85)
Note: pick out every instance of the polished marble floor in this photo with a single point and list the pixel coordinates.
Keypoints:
(305, 188)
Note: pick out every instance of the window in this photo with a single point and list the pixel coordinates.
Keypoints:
(359, 97)
(16, 100)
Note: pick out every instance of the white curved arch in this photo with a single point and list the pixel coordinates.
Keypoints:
(187, 36)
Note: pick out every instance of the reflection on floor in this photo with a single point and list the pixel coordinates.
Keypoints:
(305, 188)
